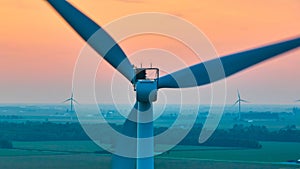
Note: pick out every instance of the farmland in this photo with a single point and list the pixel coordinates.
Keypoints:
(81, 154)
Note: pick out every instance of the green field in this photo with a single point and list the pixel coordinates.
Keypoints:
(16, 152)
(80, 155)
(270, 152)
(94, 161)
(60, 146)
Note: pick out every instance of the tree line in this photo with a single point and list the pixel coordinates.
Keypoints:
(237, 136)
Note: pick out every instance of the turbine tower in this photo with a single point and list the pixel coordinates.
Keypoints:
(71, 100)
(239, 101)
(146, 89)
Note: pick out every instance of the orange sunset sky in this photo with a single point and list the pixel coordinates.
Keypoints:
(38, 50)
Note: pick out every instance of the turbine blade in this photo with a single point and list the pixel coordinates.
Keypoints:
(231, 63)
(75, 101)
(130, 125)
(130, 130)
(95, 36)
(239, 96)
(67, 100)
(297, 101)
(235, 103)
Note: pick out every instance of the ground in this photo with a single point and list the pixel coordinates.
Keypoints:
(93, 161)
(81, 155)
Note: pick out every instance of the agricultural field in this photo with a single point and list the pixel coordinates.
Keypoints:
(93, 161)
(59, 146)
(81, 155)
(270, 152)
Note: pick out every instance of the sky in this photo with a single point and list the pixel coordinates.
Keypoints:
(38, 50)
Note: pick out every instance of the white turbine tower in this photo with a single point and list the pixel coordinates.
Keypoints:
(239, 101)
(146, 89)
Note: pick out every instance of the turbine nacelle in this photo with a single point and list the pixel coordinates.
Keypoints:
(145, 84)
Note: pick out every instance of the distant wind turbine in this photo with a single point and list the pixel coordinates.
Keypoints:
(239, 101)
(71, 100)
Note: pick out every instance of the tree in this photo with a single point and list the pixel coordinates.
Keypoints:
(6, 144)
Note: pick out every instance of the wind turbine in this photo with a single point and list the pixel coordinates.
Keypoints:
(239, 101)
(71, 100)
(146, 89)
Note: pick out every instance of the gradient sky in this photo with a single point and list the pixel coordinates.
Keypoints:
(38, 50)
